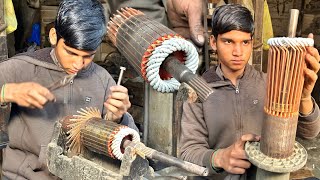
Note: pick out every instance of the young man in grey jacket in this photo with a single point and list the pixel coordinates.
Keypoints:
(214, 132)
(79, 29)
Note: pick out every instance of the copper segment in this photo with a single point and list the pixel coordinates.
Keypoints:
(285, 80)
(97, 135)
(284, 88)
(76, 123)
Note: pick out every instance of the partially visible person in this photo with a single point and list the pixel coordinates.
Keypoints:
(79, 28)
(183, 16)
(214, 132)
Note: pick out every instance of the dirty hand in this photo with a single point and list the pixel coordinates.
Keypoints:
(185, 17)
(117, 103)
(27, 94)
(310, 72)
(233, 159)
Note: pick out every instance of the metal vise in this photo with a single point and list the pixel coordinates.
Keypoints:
(93, 165)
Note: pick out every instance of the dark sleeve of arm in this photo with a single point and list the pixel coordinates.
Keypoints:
(193, 143)
(127, 120)
(7, 72)
(15, 71)
(309, 126)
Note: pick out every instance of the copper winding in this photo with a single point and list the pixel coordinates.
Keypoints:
(284, 88)
(98, 136)
(149, 46)
(285, 80)
(129, 16)
(89, 130)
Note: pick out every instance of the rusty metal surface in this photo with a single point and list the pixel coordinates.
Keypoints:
(3, 48)
(4, 117)
(278, 136)
(3, 39)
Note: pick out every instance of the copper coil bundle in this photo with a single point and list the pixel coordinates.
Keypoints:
(285, 75)
(146, 43)
(162, 57)
(89, 130)
(285, 82)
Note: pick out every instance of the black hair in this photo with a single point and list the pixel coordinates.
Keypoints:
(230, 17)
(81, 23)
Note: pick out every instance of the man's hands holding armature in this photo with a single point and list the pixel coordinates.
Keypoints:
(186, 17)
(312, 59)
(233, 159)
(117, 103)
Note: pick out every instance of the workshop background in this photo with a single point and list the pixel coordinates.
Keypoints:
(34, 18)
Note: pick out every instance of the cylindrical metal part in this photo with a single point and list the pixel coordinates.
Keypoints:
(177, 69)
(278, 136)
(183, 74)
(169, 160)
(294, 17)
(96, 135)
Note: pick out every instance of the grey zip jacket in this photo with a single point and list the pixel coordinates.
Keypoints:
(230, 112)
(30, 130)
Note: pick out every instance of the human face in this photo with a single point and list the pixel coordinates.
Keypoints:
(233, 49)
(72, 60)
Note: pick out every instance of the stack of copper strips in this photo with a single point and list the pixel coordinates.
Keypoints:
(286, 63)
(147, 44)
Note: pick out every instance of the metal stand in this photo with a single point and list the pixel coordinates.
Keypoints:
(273, 168)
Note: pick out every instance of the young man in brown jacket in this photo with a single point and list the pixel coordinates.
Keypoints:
(234, 114)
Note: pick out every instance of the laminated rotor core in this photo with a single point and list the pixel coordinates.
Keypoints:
(146, 43)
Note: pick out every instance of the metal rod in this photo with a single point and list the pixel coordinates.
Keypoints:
(121, 74)
(170, 160)
(109, 115)
(146, 113)
(165, 158)
(294, 17)
(183, 74)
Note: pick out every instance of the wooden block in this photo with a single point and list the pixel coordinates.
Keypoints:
(48, 15)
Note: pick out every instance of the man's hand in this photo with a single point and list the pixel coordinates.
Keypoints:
(117, 103)
(310, 73)
(185, 17)
(312, 59)
(27, 94)
(233, 159)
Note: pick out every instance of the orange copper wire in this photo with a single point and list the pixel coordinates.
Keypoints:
(285, 80)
